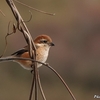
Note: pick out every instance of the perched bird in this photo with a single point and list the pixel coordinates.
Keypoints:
(43, 44)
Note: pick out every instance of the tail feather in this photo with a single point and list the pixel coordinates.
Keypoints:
(6, 59)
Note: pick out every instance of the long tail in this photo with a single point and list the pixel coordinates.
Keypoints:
(13, 58)
(6, 59)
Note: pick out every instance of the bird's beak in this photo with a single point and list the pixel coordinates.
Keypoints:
(51, 44)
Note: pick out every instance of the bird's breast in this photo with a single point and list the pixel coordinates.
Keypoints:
(42, 55)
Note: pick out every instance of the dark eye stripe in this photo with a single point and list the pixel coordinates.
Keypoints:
(45, 41)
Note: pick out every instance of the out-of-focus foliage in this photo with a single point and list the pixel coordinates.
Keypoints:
(75, 30)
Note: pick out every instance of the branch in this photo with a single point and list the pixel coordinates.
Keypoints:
(23, 28)
(2, 13)
(32, 85)
(64, 83)
(35, 8)
(21, 25)
(45, 64)
(40, 87)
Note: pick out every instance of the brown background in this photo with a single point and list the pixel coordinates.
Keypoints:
(75, 30)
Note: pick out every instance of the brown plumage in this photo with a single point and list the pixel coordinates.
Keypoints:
(43, 44)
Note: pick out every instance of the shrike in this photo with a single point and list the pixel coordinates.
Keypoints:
(43, 44)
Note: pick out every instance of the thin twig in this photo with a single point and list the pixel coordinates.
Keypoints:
(40, 87)
(29, 18)
(14, 30)
(45, 64)
(32, 85)
(35, 8)
(36, 85)
(23, 28)
(61, 80)
(2, 13)
(21, 25)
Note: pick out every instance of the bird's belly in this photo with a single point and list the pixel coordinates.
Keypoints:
(27, 64)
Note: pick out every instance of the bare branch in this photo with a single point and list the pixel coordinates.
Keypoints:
(23, 28)
(14, 30)
(45, 64)
(35, 8)
(32, 85)
(21, 25)
(30, 17)
(40, 87)
(2, 13)
(61, 80)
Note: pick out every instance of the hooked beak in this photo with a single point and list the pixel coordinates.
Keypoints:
(51, 44)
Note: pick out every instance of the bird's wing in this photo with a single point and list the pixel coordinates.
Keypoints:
(20, 52)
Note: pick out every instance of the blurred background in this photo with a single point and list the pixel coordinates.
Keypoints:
(75, 30)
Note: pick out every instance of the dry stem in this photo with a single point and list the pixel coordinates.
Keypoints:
(23, 28)
(2, 13)
(35, 8)
(45, 64)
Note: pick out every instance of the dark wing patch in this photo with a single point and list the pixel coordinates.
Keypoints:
(20, 52)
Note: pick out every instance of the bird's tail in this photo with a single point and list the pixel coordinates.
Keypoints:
(6, 59)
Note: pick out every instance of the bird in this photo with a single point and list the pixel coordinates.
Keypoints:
(43, 43)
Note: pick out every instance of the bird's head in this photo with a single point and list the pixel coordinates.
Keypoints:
(43, 41)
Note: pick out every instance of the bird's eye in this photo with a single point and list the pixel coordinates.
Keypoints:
(44, 41)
